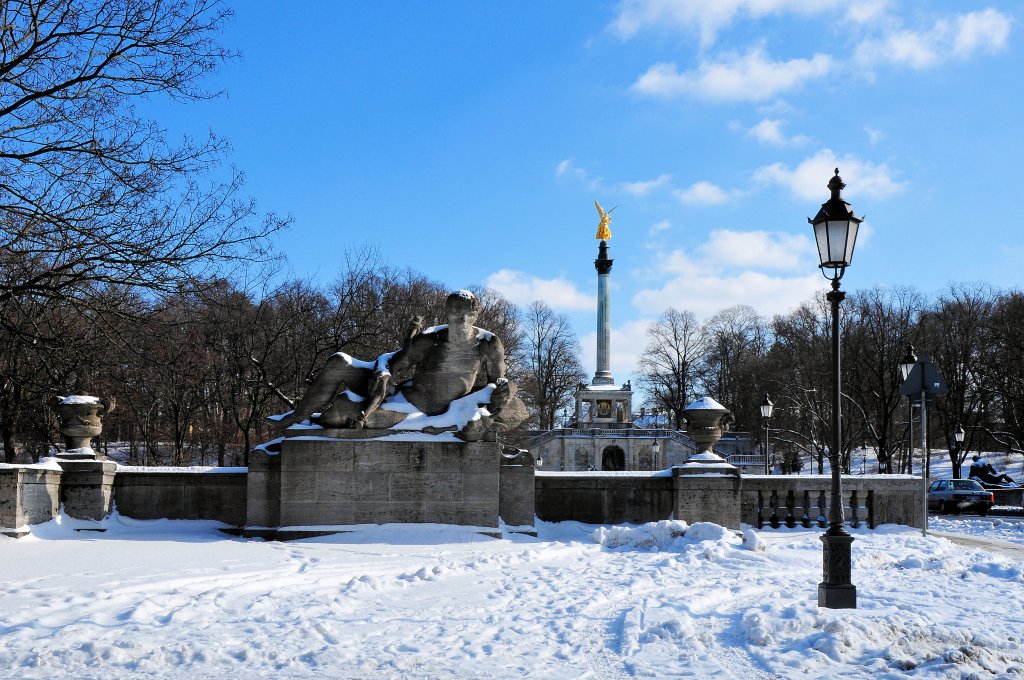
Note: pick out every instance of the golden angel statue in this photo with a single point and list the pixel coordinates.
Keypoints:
(603, 232)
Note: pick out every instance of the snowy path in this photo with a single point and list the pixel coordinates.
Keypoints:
(176, 599)
(1011, 550)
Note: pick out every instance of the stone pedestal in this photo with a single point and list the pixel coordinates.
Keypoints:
(315, 485)
(27, 496)
(517, 496)
(707, 494)
(87, 488)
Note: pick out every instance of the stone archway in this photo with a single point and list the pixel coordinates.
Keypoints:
(613, 459)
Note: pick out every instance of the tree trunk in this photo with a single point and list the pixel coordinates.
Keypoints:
(10, 444)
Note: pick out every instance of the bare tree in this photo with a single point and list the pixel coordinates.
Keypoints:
(954, 333)
(669, 366)
(879, 324)
(737, 340)
(799, 370)
(91, 194)
(551, 366)
(1002, 372)
(95, 202)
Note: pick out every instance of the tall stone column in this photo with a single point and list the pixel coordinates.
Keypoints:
(603, 264)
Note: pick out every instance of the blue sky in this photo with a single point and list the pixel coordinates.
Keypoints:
(468, 140)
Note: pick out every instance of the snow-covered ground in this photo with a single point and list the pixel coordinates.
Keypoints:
(180, 599)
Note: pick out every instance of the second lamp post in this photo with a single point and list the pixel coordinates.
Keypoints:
(766, 414)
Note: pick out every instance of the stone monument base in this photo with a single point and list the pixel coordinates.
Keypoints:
(315, 485)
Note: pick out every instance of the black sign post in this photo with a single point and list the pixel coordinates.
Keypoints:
(922, 383)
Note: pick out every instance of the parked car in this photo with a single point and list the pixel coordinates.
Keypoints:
(954, 495)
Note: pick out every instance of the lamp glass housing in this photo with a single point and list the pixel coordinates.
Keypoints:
(908, 361)
(959, 434)
(836, 240)
(906, 368)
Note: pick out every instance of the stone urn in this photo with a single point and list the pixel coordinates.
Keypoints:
(80, 420)
(706, 420)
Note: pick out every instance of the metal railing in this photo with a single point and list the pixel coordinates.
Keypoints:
(745, 459)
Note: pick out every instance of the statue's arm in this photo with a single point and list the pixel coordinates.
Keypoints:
(411, 354)
(494, 358)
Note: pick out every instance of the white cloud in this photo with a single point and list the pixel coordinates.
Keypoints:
(568, 169)
(985, 31)
(522, 289)
(658, 227)
(627, 344)
(962, 36)
(730, 269)
(747, 77)
(761, 249)
(705, 293)
(866, 11)
(643, 188)
(704, 193)
(809, 179)
(705, 17)
(874, 135)
(769, 131)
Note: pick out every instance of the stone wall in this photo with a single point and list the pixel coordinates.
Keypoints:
(170, 494)
(604, 498)
(439, 483)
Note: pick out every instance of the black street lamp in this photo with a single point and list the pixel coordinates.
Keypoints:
(766, 413)
(656, 451)
(958, 437)
(835, 230)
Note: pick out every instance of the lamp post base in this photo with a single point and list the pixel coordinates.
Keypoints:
(835, 590)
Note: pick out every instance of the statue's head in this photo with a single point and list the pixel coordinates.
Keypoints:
(462, 304)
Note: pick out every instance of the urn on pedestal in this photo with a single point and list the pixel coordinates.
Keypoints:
(706, 420)
(80, 420)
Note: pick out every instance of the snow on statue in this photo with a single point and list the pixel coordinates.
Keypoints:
(458, 382)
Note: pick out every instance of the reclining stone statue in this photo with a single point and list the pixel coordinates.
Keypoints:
(988, 475)
(457, 369)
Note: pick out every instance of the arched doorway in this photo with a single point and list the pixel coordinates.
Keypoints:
(613, 459)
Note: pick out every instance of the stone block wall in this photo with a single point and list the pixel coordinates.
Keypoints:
(28, 495)
(338, 482)
(710, 497)
(604, 498)
(517, 494)
(169, 494)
